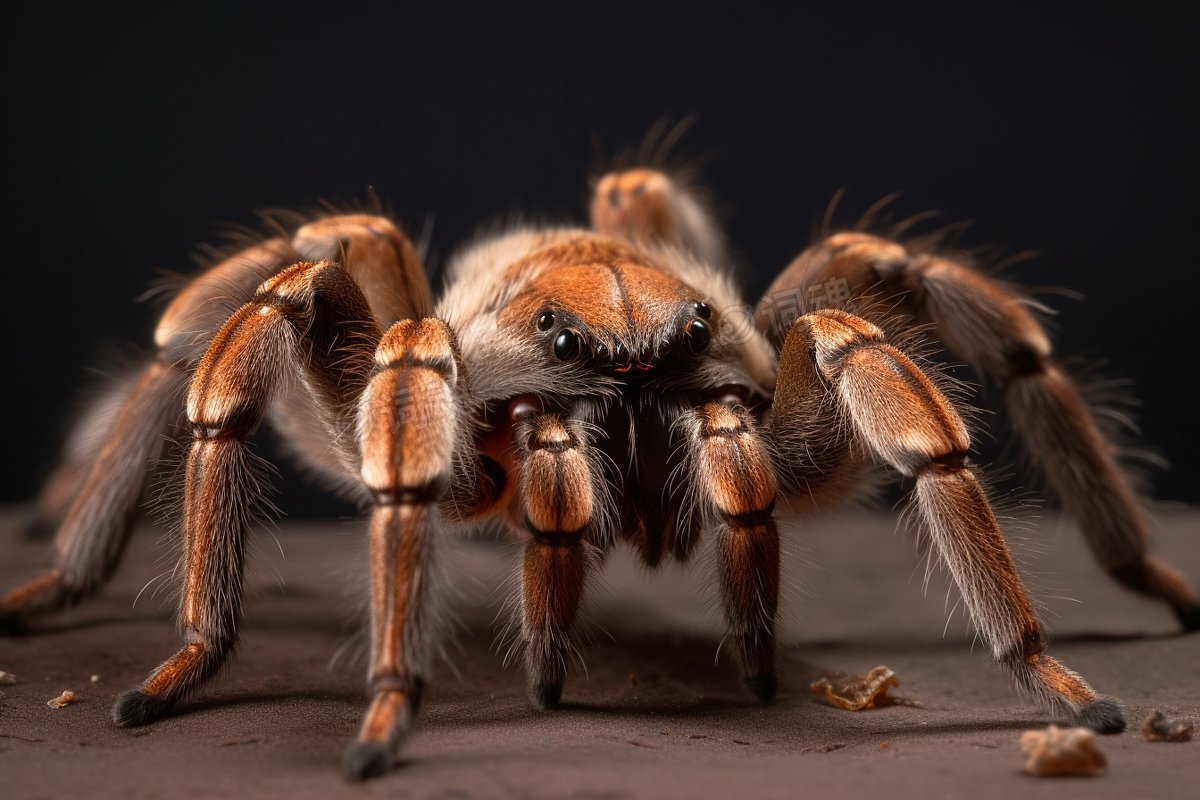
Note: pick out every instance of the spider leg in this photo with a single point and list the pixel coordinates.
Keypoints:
(126, 437)
(310, 319)
(649, 207)
(900, 418)
(562, 501)
(735, 478)
(988, 324)
(98, 487)
(97, 524)
(88, 434)
(410, 427)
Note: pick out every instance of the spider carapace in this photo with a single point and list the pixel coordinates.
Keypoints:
(589, 387)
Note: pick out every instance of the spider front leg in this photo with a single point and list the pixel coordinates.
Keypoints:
(561, 501)
(896, 414)
(310, 319)
(409, 430)
(734, 477)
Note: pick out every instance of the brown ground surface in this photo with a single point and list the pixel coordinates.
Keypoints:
(654, 716)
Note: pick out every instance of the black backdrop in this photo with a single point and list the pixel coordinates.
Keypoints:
(1069, 129)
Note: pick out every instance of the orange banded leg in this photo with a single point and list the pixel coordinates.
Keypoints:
(97, 524)
(1079, 464)
(229, 394)
(987, 324)
(379, 259)
(124, 433)
(902, 419)
(561, 494)
(734, 476)
(409, 431)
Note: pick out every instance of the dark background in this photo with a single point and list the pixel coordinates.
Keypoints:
(1068, 129)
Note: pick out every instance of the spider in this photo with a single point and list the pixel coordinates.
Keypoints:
(587, 387)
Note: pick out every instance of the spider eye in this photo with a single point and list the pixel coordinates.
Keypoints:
(697, 335)
(701, 309)
(568, 345)
(545, 321)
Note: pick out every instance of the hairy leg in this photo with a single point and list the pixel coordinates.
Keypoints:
(989, 325)
(734, 479)
(88, 434)
(127, 433)
(97, 488)
(97, 524)
(307, 319)
(409, 430)
(899, 416)
(562, 500)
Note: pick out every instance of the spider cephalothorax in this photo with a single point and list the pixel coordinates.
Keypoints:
(588, 387)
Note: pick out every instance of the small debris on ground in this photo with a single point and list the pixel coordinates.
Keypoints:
(7, 678)
(1062, 751)
(1158, 727)
(95, 679)
(856, 692)
(63, 700)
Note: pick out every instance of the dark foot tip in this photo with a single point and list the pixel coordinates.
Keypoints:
(763, 686)
(134, 708)
(1104, 715)
(1189, 617)
(365, 760)
(546, 695)
(11, 624)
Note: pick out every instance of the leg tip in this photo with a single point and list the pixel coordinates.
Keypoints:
(763, 686)
(1189, 617)
(546, 695)
(11, 623)
(135, 708)
(1104, 715)
(365, 760)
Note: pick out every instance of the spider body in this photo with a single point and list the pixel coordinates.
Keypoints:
(588, 387)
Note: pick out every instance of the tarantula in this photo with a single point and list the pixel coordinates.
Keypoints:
(589, 387)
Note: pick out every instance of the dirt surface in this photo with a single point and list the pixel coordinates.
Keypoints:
(656, 714)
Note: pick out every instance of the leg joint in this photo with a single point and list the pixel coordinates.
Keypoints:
(411, 686)
(1029, 649)
(948, 463)
(427, 493)
(750, 519)
(1023, 360)
(555, 538)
